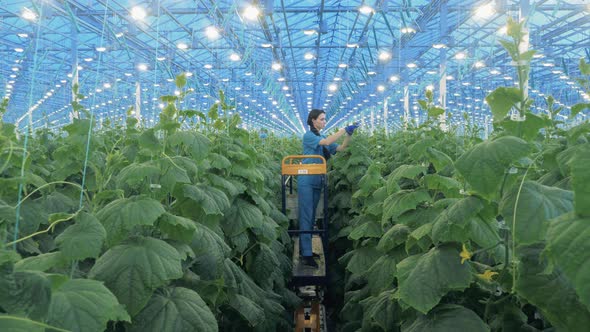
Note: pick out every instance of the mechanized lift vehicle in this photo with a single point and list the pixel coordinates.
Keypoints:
(310, 283)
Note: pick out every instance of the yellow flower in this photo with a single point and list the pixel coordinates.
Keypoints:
(465, 254)
(487, 275)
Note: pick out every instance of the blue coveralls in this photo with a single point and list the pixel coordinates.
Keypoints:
(309, 188)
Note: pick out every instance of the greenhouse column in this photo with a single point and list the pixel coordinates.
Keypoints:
(385, 101)
(372, 120)
(74, 46)
(406, 106)
(137, 101)
(523, 14)
(442, 99)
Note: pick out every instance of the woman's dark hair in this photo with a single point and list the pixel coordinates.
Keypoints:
(314, 114)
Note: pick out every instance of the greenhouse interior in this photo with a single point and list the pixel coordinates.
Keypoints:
(311, 165)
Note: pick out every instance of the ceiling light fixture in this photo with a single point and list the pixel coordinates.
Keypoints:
(234, 57)
(485, 11)
(251, 13)
(408, 30)
(276, 66)
(28, 14)
(479, 64)
(384, 55)
(138, 13)
(366, 10)
(308, 56)
(212, 32)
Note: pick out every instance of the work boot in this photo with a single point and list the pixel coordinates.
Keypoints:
(309, 261)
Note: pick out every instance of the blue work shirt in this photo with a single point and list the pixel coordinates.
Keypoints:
(311, 145)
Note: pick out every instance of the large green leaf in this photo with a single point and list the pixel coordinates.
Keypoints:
(421, 237)
(149, 142)
(483, 166)
(211, 199)
(418, 149)
(381, 310)
(408, 171)
(406, 266)
(241, 216)
(370, 181)
(485, 233)
(395, 236)
(577, 108)
(22, 324)
(551, 291)
(84, 305)
(581, 180)
(42, 262)
(58, 202)
(248, 173)
(218, 161)
(175, 310)
(120, 216)
(453, 223)
(436, 273)
(247, 308)
(536, 205)
(176, 227)
(265, 263)
(172, 173)
(83, 239)
(24, 293)
(502, 100)
(226, 185)
(210, 251)
(449, 186)
(135, 268)
(136, 173)
(362, 259)
(448, 318)
(196, 143)
(382, 274)
(439, 159)
(568, 245)
(366, 229)
(403, 201)
(527, 129)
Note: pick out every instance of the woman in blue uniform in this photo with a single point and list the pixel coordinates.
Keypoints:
(309, 187)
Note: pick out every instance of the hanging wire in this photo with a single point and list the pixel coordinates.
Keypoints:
(99, 61)
(27, 129)
(156, 89)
